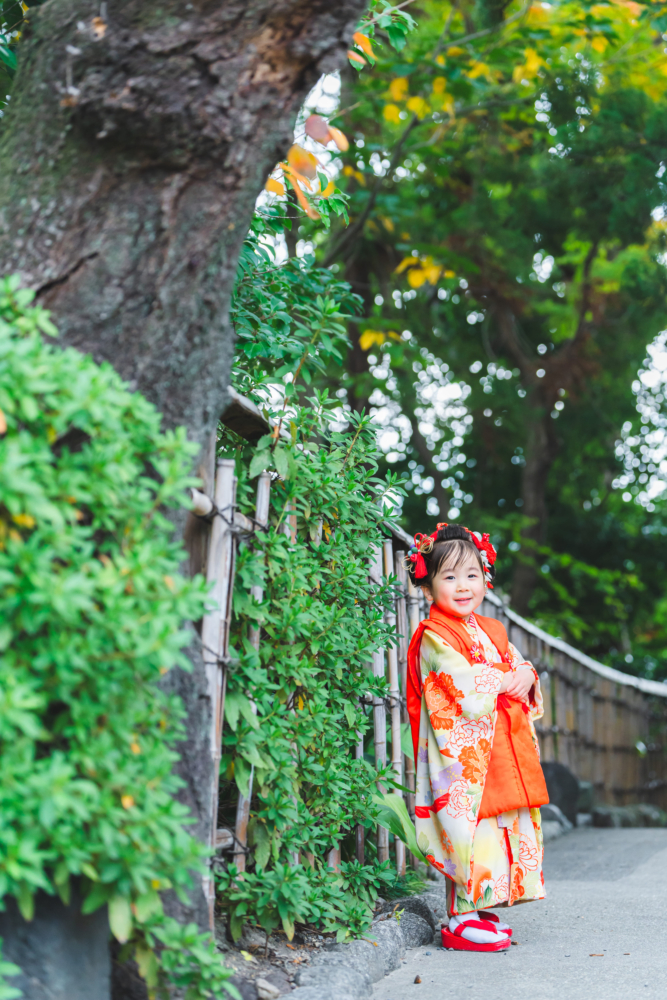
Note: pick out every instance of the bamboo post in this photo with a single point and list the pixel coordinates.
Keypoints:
(395, 702)
(379, 715)
(257, 592)
(215, 638)
(360, 832)
(405, 629)
(333, 858)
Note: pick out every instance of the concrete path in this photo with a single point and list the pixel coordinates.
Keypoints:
(601, 934)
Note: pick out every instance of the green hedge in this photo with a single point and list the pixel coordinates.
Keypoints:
(91, 616)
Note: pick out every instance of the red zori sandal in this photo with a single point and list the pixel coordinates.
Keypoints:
(454, 941)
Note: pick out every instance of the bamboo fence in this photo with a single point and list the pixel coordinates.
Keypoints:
(608, 727)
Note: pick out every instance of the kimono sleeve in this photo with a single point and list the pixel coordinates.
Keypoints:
(535, 701)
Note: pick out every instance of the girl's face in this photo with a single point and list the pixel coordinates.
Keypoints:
(457, 590)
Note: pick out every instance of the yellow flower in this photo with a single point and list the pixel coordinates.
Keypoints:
(370, 337)
(478, 69)
(418, 106)
(398, 88)
(127, 801)
(530, 68)
(24, 520)
(392, 113)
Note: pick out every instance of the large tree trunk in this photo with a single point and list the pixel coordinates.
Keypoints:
(139, 135)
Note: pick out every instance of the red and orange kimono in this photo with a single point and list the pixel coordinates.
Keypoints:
(479, 780)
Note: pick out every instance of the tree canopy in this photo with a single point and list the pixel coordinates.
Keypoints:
(505, 190)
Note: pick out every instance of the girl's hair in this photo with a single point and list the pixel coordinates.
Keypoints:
(453, 545)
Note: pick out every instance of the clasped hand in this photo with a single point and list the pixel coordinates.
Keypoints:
(517, 684)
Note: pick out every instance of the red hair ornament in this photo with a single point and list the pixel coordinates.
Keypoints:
(424, 543)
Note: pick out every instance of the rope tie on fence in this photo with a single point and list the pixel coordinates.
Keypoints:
(234, 528)
(222, 661)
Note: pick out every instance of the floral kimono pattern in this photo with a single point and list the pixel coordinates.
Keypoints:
(493, 861)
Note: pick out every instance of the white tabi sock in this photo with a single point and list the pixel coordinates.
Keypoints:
(474, 934)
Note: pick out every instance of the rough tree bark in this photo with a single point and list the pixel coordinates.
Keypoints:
(138, 137)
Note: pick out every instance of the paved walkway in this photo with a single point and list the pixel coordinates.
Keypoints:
(606, 897)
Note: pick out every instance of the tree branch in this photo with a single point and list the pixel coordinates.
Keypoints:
(426, 455)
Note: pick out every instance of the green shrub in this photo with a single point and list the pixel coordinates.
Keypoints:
(321, 619)
(91, 616)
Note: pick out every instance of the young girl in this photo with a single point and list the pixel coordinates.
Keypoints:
(472, 701)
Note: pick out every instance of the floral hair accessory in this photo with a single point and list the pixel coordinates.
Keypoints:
(487, 553)
(423, 544)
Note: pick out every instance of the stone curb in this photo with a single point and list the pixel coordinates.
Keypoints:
(348, 971)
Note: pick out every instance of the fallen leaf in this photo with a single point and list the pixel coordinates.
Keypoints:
(418, 979)
(596, 954)
(515, 942)
(248, 957)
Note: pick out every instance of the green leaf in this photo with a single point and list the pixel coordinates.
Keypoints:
(350, 714)
(281, 460)
(148, 965)
(406, 740)
(242, 773)
(96, 897)
(120, 918)
(147, 905)
(25, 898)
(262, 846)
(236, 925)
(8, 57)
(393, 815)
(261, 460)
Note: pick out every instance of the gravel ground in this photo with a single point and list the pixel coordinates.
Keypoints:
(598, 936)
